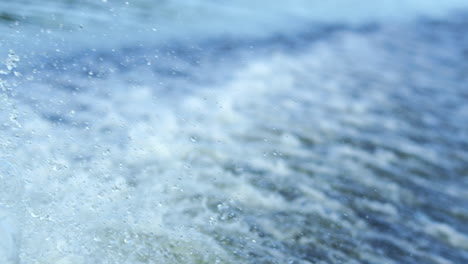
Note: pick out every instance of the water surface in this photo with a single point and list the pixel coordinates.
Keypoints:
(234, 132)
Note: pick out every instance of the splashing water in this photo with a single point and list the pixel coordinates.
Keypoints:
(325, 143)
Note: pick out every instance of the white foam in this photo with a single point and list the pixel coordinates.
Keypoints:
(149, 177)
(9, 238)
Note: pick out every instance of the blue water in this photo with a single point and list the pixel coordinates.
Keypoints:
(233, 132)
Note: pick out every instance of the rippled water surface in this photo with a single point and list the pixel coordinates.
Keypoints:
(233, 132)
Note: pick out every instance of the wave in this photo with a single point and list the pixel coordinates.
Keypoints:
(339, 143)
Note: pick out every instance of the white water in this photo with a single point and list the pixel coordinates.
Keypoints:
(9, 238)
(260, 153)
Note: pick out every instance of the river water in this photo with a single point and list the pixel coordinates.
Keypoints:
(234, 132)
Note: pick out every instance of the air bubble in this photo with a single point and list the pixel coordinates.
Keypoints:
(11, 61)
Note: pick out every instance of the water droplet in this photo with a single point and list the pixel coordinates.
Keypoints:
(11, 60)
(33, 214)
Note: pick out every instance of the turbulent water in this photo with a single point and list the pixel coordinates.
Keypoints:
(234, 132)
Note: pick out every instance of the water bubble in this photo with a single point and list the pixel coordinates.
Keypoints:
(33, 214)
(11, 61)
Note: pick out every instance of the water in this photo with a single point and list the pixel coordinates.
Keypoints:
(221, 132)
